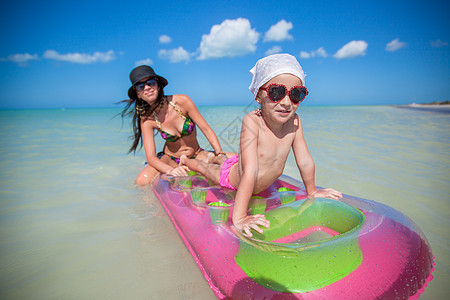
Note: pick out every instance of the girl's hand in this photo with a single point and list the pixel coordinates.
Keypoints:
(326, 193)
(252, 222)
(179, 171)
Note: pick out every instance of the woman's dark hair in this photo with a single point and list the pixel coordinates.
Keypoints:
(138, 110)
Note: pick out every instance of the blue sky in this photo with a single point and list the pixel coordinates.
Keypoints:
(79, 53)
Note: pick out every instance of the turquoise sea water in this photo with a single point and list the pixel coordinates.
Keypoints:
(74, 226)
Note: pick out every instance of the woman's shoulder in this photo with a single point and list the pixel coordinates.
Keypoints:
(180, 99)
(148, 121)
(183, 102)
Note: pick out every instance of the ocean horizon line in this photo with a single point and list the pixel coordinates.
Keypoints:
(411, 105)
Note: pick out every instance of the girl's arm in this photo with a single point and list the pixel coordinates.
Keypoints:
(198, 119)
(305, 164)
(248, 150)
(148, 140)
(303, 158)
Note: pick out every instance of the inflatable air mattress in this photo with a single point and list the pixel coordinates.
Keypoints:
(319, 248)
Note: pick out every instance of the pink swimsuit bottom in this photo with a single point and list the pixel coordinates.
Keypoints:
(224, 179)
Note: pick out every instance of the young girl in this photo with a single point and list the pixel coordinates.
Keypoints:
(267, 135)
(175, 117)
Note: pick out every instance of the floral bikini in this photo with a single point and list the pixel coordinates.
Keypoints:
(188, 128)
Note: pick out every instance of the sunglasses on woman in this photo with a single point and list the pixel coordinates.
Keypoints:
(140, 86)
(277, 92)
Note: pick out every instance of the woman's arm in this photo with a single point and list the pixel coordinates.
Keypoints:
(196, 116)
(248, 150)
(148, 139)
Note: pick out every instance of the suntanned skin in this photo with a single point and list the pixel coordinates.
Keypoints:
(171, 122)
(265, 142)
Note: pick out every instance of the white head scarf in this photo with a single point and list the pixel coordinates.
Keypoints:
(273, 65)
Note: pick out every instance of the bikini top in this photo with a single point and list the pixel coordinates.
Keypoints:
(188, 126)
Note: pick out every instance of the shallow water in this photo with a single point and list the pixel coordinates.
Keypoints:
(73, 224)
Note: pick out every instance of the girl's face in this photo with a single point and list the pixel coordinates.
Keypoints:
(147, 90)
(282, 111)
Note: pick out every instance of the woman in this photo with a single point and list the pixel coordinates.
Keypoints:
(175, 117)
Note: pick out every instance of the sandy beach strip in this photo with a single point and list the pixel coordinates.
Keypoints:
(442, 108)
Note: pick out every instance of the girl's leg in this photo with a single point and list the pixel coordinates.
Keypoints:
(209, 157)
(204, 155)
(218, 160)
(210, 171)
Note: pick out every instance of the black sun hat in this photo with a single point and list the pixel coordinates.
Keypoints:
(141, 72)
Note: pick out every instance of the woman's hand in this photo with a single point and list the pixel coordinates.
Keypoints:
(179, 171)
(326, 193)
(252, 222)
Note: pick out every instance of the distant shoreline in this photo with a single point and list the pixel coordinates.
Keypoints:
(436, 104)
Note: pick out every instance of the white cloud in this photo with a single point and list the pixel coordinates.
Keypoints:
(165, 39)
(229, 39)
(319, 52)
(438, 43)
(274, 50)
(81, 58)
(304, 54)
(394, 45)
(279, 32)
(175, 55)
(20, 58)
(352, 49)
(146, 61)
